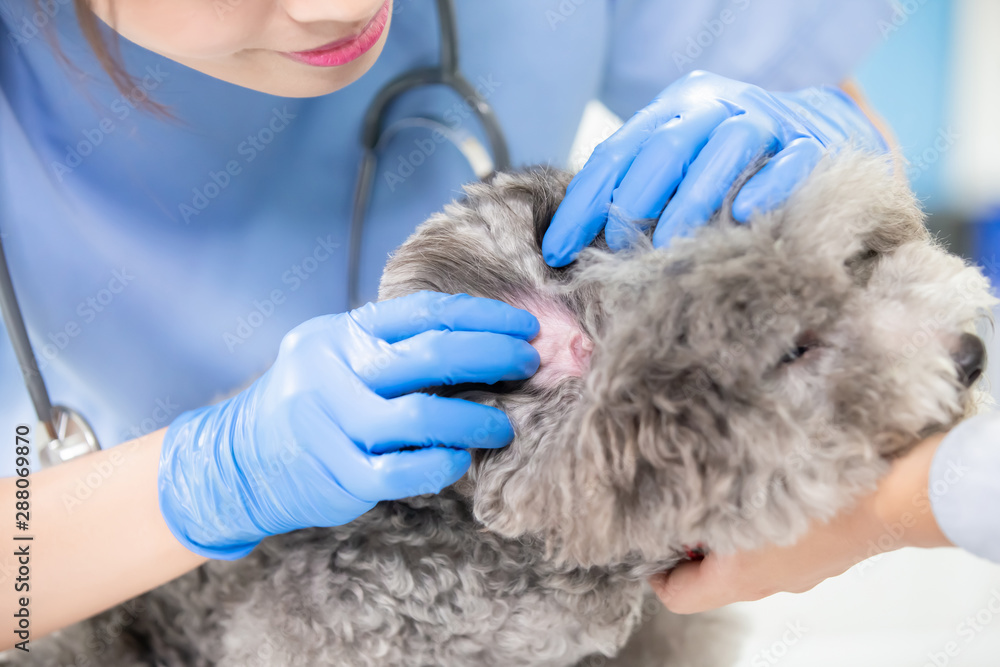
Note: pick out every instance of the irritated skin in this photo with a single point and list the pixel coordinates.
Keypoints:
(563, 346)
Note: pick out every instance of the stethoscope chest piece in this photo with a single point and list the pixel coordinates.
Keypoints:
(73, 437)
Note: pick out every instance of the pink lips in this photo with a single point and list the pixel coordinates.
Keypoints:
(345, 50)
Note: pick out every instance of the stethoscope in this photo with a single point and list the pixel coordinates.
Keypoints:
(64, 434)
(375, 135)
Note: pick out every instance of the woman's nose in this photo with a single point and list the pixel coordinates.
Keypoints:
(349, 12)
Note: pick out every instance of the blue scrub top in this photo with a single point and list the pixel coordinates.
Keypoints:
(159, 262)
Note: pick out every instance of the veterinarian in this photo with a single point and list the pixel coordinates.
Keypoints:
(177, 210)
(944, 493)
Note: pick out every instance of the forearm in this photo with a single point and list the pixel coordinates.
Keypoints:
(964, 484)
(855, 92)
(901, 509)
(99, 538)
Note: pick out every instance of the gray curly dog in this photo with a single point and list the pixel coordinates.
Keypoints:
(719, 394)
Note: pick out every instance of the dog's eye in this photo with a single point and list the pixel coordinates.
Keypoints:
(795, 354)
(805, 342)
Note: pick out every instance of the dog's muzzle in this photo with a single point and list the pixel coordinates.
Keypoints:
(970, 357)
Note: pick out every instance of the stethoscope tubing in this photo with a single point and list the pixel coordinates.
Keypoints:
(25, 354)
(447, 74)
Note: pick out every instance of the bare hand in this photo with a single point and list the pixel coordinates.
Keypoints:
(898, 514)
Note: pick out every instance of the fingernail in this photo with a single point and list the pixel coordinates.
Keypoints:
(745, 205)
(555, 260)
(528, 323)
(496, 432)
(529, 361)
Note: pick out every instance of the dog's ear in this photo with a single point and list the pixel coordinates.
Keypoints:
(616, 475)
(517, 489)
(602, 467)
(545, 190)
(483, 244)
(852, 206)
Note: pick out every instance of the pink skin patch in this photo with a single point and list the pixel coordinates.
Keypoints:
(562, 345)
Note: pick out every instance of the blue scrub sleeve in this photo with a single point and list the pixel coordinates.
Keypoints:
(779, 45)
(964, 486)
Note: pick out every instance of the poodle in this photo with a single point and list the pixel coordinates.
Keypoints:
(715, 395)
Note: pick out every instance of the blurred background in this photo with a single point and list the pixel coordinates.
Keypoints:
(935, 78)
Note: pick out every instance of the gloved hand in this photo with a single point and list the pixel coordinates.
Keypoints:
(688, 148)
(325, 433)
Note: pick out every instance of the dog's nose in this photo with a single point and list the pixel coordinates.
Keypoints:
(970, 357)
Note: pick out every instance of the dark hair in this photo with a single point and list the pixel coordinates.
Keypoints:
(108, 55)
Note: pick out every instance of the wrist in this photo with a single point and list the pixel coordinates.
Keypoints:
(902, 503)
(836, 118)
(201, 496)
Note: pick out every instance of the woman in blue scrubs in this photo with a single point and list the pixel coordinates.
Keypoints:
(175, 205)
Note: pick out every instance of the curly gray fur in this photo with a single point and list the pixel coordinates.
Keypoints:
(723, 392)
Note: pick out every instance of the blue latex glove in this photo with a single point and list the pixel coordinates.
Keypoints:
(688, 148)
(319, 438)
